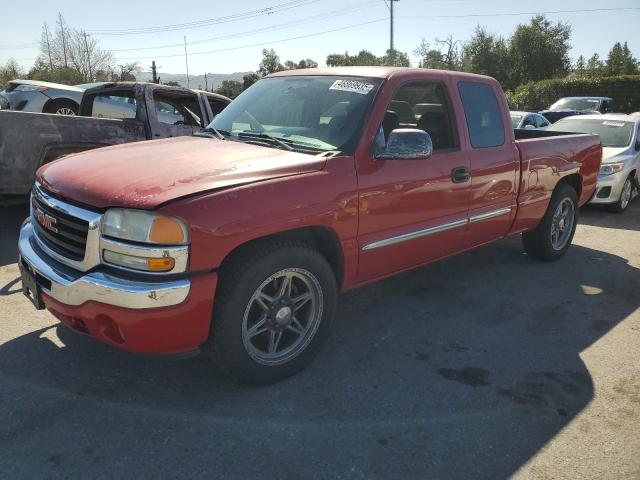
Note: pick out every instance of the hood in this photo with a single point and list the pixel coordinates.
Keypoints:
(147, 174)
(614, 154)
(39, 83)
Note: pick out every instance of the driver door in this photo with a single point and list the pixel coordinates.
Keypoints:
(413, 211)
(176, 114)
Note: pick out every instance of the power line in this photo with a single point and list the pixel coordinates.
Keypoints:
(513, 14)
(207, 22)
(262, 43)
(330, 14)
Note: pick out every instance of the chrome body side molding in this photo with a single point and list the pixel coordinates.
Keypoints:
(437, 229)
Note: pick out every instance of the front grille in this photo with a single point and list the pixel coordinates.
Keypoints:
(70, 239)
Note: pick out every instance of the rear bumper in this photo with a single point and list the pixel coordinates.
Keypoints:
(163, 317)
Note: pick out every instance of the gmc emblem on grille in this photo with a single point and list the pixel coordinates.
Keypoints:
(47, 221)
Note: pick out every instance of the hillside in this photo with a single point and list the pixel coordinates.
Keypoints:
(214, 80)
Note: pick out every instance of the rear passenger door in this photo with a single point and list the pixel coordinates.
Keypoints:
(494, 162)
(412, 211)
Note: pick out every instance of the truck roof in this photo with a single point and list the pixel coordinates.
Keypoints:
(373, 72)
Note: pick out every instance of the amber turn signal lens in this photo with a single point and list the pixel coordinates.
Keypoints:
(160, 264)
(165, 230)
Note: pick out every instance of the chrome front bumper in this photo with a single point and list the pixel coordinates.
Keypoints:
(74, 288)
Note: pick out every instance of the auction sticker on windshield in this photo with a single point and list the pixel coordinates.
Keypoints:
(613, 124)
(352, 86)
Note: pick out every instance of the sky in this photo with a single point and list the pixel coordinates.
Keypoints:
(227, 37)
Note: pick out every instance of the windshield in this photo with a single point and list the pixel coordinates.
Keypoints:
(515, 120)
(579, 104)
(309, 113)
(613, 133)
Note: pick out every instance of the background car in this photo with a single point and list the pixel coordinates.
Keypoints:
(43, 97)
(569, 106)
(528, 120)
(618, 178)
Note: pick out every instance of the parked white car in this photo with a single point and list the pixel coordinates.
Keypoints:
(618, 178)
(528, 120)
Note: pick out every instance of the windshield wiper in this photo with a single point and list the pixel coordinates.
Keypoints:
(267, 137)
(215, 131)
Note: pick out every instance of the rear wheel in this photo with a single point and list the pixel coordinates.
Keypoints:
(273, 312)
(625, 197)
(62, 107)
(552, 237)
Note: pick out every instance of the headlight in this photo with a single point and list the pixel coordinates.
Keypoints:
(160, 241)
(611, 168)
(143, 227)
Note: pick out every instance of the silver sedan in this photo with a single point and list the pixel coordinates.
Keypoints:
(620, 135)
(42, 97)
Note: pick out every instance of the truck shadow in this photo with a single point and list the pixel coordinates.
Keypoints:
(465, 368)
(10, 221)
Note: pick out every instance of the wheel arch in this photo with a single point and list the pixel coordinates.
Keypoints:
(574, 180)
(53, 101)
(322, 238)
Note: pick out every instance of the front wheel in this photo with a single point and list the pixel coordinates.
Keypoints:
(625, 197)
(273, 312)
(552, 237)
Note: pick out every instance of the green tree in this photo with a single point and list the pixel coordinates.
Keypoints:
(10, 71)
(395, 58)
(540, 50)
(270, 63)
(595, 66)
(580, 66)
(487, 54)
(363, 58)
(249, 79)
(230, 88)
(620, 61)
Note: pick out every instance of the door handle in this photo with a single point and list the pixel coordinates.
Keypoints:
(460, 174)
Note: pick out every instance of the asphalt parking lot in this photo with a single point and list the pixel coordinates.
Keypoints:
(486, 365)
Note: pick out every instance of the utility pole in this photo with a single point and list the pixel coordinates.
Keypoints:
(186, 59)
(206, 83)
(86, 48)
(154, 72)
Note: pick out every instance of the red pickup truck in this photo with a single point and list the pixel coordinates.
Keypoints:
(238, 240)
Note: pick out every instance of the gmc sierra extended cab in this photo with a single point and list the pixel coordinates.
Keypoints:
(110, 114)
(237, 242)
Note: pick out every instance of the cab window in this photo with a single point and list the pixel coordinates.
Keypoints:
(483, 115)
(422, 105)
(115, 105)
(177, 108)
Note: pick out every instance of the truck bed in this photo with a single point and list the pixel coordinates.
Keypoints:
(28, 140)
(547, 157)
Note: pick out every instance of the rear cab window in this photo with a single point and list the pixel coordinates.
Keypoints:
(483, 114)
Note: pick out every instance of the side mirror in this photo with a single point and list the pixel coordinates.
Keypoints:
(404, 144)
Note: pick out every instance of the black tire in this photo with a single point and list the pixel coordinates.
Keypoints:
(58, 106)
(621, 205)
(239, 281)
(537, 243)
